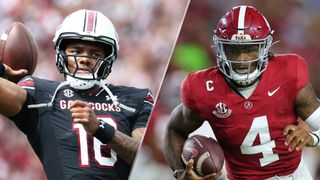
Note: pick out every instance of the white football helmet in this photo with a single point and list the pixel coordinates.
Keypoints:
(86, 25)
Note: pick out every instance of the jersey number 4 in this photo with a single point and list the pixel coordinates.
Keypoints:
(97, 147)
(260, 127)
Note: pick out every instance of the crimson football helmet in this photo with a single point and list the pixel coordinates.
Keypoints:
(86, 25)
(243, 25)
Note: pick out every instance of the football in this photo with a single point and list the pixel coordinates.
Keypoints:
(18, 48)
(206, 152)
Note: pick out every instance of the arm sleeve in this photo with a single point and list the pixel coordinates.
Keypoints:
(144, 112)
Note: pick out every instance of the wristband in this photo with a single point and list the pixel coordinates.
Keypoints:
(313, 120)
(2, 69)
(176, 172)
(105, 132)
(316, 139)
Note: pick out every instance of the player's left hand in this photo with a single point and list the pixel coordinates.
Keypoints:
(82, 112)
(297, 137)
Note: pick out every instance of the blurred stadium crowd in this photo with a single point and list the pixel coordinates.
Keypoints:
(147, 31)
(296, 25)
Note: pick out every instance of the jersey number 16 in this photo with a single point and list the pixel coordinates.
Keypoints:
(97, 146)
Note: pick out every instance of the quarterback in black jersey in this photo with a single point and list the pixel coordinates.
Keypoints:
(80, 128)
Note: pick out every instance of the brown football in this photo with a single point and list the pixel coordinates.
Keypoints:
(206, 152)
(18, 48)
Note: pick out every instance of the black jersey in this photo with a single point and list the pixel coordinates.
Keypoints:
(64, 148)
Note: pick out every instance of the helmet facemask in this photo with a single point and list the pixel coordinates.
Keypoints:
(100, 70)
(230, 67)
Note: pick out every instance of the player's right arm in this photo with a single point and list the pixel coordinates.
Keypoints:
(12, 96)
(182, 122)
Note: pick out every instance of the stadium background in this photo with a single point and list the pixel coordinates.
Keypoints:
(296, 24)
(147, 31)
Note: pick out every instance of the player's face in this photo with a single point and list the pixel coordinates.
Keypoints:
(84, 56)
(241, 54)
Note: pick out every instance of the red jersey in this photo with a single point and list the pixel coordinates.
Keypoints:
(250, 131)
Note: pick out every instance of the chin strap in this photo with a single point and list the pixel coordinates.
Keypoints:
(80, 84)
(112, 97)
(245, 79)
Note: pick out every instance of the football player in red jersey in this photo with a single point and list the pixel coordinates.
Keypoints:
(79, 128)
(252, 101)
